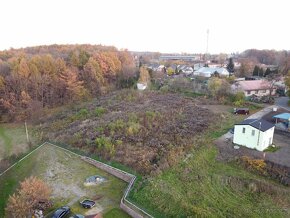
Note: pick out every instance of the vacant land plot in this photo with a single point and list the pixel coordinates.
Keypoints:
(146, 131)
(65, 173)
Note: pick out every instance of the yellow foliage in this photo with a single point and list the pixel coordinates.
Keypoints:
(258, 165)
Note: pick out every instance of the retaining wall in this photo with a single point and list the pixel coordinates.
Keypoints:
(132, 210)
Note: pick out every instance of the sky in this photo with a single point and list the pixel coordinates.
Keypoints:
(168, 26)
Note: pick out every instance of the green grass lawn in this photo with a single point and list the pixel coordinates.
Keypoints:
(65, 173)
(116, 212)
(201, 186)
(13, 140)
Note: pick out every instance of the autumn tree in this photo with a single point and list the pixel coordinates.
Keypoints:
(219, 88)
(92, 76)
(47, 76)
(144, 76)
(28, 197)
(74, 88)
(244, 70)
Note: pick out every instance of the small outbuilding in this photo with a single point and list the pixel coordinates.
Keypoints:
(254, 133)
(283, 121)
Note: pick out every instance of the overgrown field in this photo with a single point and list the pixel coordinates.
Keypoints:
(147, 131)
(65, 173)
(201, 186)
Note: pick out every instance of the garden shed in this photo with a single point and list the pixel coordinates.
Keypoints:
(254, 133)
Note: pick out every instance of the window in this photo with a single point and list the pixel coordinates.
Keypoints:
(244, 130)
(248, 92)
(256, 92)
(253, 132)
(263, 91)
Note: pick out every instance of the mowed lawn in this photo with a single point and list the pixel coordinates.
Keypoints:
(65, 173)
(13, 140)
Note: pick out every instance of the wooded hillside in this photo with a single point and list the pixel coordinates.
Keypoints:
(47, 76)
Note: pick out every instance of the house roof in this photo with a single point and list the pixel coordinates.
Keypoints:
(260, 124)
(254, 84)
(211, 70)
(283, 116)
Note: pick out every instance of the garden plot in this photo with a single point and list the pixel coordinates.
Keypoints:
(65, 173)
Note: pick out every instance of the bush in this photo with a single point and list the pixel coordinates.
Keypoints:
(83, 114)
(133, 128)
(117, 125)
(99, 111)
(257, 165)
(105, 143)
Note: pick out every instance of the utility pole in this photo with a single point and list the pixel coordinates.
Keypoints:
(26, 130)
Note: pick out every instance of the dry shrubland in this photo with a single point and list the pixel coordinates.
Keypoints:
(144, 130)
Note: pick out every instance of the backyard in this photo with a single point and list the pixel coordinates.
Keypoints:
(65, 173)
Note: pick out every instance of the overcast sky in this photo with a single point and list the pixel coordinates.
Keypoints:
(148, 25)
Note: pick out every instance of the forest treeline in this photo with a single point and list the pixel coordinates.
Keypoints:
(47, 76)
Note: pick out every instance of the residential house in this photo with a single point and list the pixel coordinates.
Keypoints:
(254, 87)
(209, 71)
(254, 133)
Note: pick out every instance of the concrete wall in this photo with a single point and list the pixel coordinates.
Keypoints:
(260, 140)
(132, 210)
(114, 171)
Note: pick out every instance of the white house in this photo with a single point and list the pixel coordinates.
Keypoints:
(254, 87)
(254, 133)
(209, 71)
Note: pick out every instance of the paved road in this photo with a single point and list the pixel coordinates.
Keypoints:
(282, 102)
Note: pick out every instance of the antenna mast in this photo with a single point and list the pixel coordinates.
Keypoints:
(207, 34)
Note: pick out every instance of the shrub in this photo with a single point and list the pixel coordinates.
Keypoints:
(105, 143)
(257, 165)
(83, 114)
(99, 111)
(133, 128)
(117, 125)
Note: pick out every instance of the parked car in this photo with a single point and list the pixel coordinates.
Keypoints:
(87, 203)
(61, 212)
(241, 111)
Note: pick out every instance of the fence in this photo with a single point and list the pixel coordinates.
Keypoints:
(132, 209)
(125, 204)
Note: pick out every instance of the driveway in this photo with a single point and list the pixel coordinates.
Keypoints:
(261, 113)
(282, 102)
